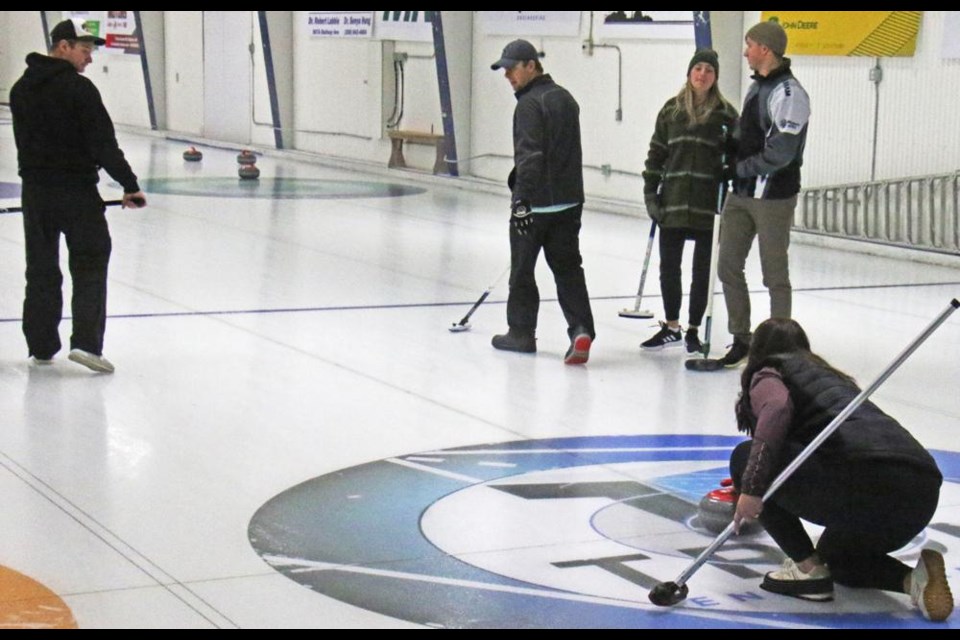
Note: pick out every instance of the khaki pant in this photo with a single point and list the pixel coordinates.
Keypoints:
(769, 221)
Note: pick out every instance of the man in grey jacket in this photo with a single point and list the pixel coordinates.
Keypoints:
(766, 180)
(546, 205)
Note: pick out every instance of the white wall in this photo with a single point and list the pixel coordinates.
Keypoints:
(154, 42)
(917, 112)
(227, 75)
(118, 77)
(727, 34)
(338, 107)
(653, 71)
(336, 83)
(421, 101)
(280, 27)
(22, 33)
(457, 31)
(262, 115)
(918, 108)
(6, 74)
(840, 141)
(120, 81)
(183, 51)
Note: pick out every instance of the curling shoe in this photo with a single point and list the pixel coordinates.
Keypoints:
(789, 580)
(515, 340)
(929, 589)
(737, 354)
(91, 361)
(579, 350)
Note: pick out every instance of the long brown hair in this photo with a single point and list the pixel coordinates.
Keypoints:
(780, 336)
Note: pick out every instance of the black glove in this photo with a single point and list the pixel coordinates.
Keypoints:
(521, 217)
(654, 210)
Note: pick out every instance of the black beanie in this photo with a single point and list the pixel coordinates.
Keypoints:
(705, 55)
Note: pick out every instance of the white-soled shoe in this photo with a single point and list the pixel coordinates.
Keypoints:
(788, 580)
(41, 362)
(665, 337)
(929, 589)
(91, 361)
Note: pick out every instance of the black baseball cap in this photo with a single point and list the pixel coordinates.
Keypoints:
(516, 51)
(74, 30)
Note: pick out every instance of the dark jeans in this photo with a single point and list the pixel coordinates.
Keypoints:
(671, 257)
(868, 508)
(558, 235)
(77, 213)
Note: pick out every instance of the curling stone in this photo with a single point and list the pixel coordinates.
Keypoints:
(192, 155)
(246, 157)
(716, 510)
(248, 172)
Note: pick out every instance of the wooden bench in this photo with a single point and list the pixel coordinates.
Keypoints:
(398, 137)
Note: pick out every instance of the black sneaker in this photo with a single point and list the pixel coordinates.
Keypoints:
(666, 337)
(692, 340)
(515, 340)
(737, 354)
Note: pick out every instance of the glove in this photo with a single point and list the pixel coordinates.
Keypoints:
(521, 217)
(654, 210)
(135, 200)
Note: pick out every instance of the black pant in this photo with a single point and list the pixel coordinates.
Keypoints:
(869, 509)
(558, 235)
(77, 213)
(671, 257)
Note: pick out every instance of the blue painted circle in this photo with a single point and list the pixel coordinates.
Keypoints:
(411, 537)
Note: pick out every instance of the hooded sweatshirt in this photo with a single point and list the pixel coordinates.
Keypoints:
(63, 132)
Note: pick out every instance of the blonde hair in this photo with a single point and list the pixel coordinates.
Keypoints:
(697, 113)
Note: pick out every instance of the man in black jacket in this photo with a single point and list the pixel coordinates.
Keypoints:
(547, 202)
(64, 136)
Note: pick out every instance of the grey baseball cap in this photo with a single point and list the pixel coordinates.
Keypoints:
(516, 51)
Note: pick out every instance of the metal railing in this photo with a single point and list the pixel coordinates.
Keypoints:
(920, 212)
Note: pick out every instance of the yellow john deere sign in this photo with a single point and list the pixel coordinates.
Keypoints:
(849, 33)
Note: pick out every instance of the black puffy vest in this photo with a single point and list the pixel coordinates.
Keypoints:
(820, 395)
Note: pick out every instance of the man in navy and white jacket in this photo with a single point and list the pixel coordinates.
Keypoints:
(766, 180)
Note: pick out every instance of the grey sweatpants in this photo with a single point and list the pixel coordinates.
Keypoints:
(770, 222)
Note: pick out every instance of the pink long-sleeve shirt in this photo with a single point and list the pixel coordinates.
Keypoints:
(771, 404)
